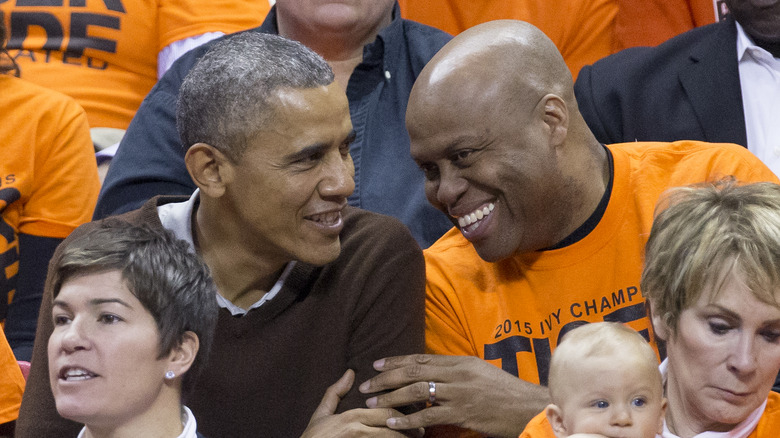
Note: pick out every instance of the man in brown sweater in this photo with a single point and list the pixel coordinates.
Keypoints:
(308, 287)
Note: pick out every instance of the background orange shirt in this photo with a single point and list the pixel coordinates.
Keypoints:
(104, 53)
(581, 29)
(11, 382)
(651, 22)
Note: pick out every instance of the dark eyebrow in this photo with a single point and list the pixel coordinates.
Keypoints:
(99, 301)
(317, 148)
(93, 302)
(60, 303)
(308, 151)
(464, 140)
(453, 145)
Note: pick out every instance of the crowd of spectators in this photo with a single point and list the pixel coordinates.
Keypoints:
(400, 209)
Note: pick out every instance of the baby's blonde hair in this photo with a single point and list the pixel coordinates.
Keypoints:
(597, 340)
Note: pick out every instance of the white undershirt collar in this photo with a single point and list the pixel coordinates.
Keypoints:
(177, 217)
(187, 420)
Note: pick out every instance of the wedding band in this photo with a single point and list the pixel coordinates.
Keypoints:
(432, 392)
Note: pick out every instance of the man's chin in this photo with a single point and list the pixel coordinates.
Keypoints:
(491, 253)
(322, 254)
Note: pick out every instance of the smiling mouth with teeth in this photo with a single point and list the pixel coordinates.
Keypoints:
(471, 221)
(74, 374)
(328, 219)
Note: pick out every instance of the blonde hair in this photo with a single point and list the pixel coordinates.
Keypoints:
(597, 340)
(702, 230)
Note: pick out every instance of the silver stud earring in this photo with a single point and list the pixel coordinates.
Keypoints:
(170, 374)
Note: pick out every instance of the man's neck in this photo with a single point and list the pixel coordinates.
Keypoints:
(242, 276)
(597, 195)
(772, 47)
(343, 70)
(343, 51)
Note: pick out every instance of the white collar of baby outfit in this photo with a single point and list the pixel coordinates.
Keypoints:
(742, 430)
(188, 420)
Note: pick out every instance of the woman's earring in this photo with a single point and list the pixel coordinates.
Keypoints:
(170, 374)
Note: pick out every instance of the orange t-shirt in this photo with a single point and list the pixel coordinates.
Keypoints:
(48, 174)
(581, 29)
(651, 22)
(513, 312)
(104, 53)
(11, 382)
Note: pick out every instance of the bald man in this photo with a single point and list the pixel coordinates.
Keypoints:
(549, 230)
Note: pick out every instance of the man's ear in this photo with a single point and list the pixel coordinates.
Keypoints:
(556, 117)
(555, 418)
(660, 328)
(182, 356)
(209, 168)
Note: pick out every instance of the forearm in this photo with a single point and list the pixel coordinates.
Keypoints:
(34, 255)
(388, 319)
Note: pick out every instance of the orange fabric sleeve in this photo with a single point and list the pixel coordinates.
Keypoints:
(11, 383)
(66, 187)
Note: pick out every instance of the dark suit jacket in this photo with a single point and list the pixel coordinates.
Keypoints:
(684, 89)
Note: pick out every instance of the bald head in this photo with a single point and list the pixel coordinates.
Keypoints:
(509, 59)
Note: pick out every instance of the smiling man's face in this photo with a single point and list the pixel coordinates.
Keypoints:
(290, 186)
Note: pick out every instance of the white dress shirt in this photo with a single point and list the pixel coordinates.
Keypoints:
(759, 77)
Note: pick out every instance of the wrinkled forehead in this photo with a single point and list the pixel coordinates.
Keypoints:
(324, 98)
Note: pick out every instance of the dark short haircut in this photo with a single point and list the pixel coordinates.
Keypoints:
(225, 99)
(703, 229)
(166, 276)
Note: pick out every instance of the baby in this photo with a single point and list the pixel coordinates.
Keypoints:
(604, 381)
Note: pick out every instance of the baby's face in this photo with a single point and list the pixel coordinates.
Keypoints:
(607, 397)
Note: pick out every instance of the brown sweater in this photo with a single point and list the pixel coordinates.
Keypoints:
(269, 369)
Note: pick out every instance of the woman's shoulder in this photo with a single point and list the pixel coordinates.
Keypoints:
(769, 424)
(773, 402)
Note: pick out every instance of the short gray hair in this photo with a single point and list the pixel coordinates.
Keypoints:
(224, 100)
(169, 280)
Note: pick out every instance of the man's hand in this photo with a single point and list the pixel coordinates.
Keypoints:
(470, 393)
(324, 423)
